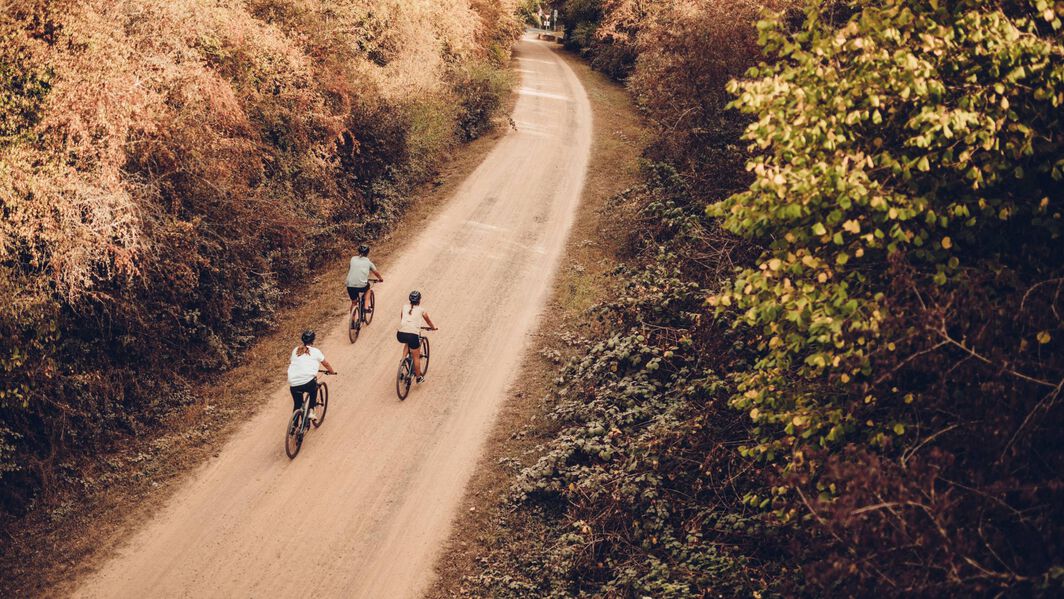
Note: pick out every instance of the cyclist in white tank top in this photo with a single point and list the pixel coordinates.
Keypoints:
(410, 329)
(411, 319)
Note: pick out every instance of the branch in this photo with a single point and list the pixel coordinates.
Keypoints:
(902, 364)
(1047, 401)
(1036, 286)
(960, 344)
(909, 453)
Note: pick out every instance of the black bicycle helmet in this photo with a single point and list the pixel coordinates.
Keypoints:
(307, 337)
(363, 250)
(415, 297)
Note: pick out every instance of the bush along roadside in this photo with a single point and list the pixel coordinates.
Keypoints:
(839, 374)
(173, 173)
(906, 308)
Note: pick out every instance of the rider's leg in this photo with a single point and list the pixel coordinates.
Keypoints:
(358, 294)
(417, 361)
(312, 389)
(299, 390)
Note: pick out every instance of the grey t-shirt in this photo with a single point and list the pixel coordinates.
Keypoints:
(358, 274)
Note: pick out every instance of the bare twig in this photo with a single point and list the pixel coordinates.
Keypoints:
(1046, 402)
(902, 364)
(1023, 302)
(910, 452)
(960, 344)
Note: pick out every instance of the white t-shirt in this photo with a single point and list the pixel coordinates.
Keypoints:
(303, 369)
(358, 274)
(411, 320)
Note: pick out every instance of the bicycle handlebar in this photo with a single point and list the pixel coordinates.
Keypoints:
(327, 372)
(430, 328)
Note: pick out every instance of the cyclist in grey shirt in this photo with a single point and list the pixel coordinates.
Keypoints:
(358, 276)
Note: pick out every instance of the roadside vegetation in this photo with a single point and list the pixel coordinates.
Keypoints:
(831, 363)
(173, 173)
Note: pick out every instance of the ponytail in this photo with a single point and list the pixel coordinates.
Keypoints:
(411, 312)
(302, 350)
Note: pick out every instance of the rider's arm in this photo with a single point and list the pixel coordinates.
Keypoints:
(328, 367)
(425, 315)
(380, 279)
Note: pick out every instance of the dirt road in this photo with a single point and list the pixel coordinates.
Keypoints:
(364, 509)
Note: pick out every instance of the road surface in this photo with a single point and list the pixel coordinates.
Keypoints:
(366, 506)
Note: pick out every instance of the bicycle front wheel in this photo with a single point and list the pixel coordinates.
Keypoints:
(424, 356)
(369, 306)
(293, 438)
(403, 378)
(323, 403)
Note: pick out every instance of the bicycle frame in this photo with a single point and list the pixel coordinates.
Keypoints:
(361, 307)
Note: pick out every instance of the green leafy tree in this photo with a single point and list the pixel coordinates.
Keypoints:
(915, 133)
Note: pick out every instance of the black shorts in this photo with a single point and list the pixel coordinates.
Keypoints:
(298, 391)
(412, 340)
(354, 292)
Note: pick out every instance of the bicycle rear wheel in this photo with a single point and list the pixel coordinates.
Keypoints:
(424, 356)
(323, 403)
(354, 325)
(403, 378)
(293, 438)
(371, 303)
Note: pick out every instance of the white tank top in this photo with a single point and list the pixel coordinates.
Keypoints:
(411, 320)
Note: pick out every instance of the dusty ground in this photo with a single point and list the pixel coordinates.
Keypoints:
(595, 247)
(365, 508)
(72, 535)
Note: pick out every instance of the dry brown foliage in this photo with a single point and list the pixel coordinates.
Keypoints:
(171, 169)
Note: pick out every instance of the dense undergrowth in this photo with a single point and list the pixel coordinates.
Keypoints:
(171, 173)
(834, 368)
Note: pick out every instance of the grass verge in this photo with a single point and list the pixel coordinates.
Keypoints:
(596, 246)
(68, 536)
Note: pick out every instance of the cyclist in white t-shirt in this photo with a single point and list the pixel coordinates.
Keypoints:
(303, 373)
(410, 329)
(358, 276)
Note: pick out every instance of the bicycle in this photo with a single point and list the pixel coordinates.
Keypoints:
(360, 314)
(301, 421)
(405, 376)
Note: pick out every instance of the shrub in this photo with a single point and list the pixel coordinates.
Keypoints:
(528, 10)
(580, 19)
(480, 89)
(907, 187)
